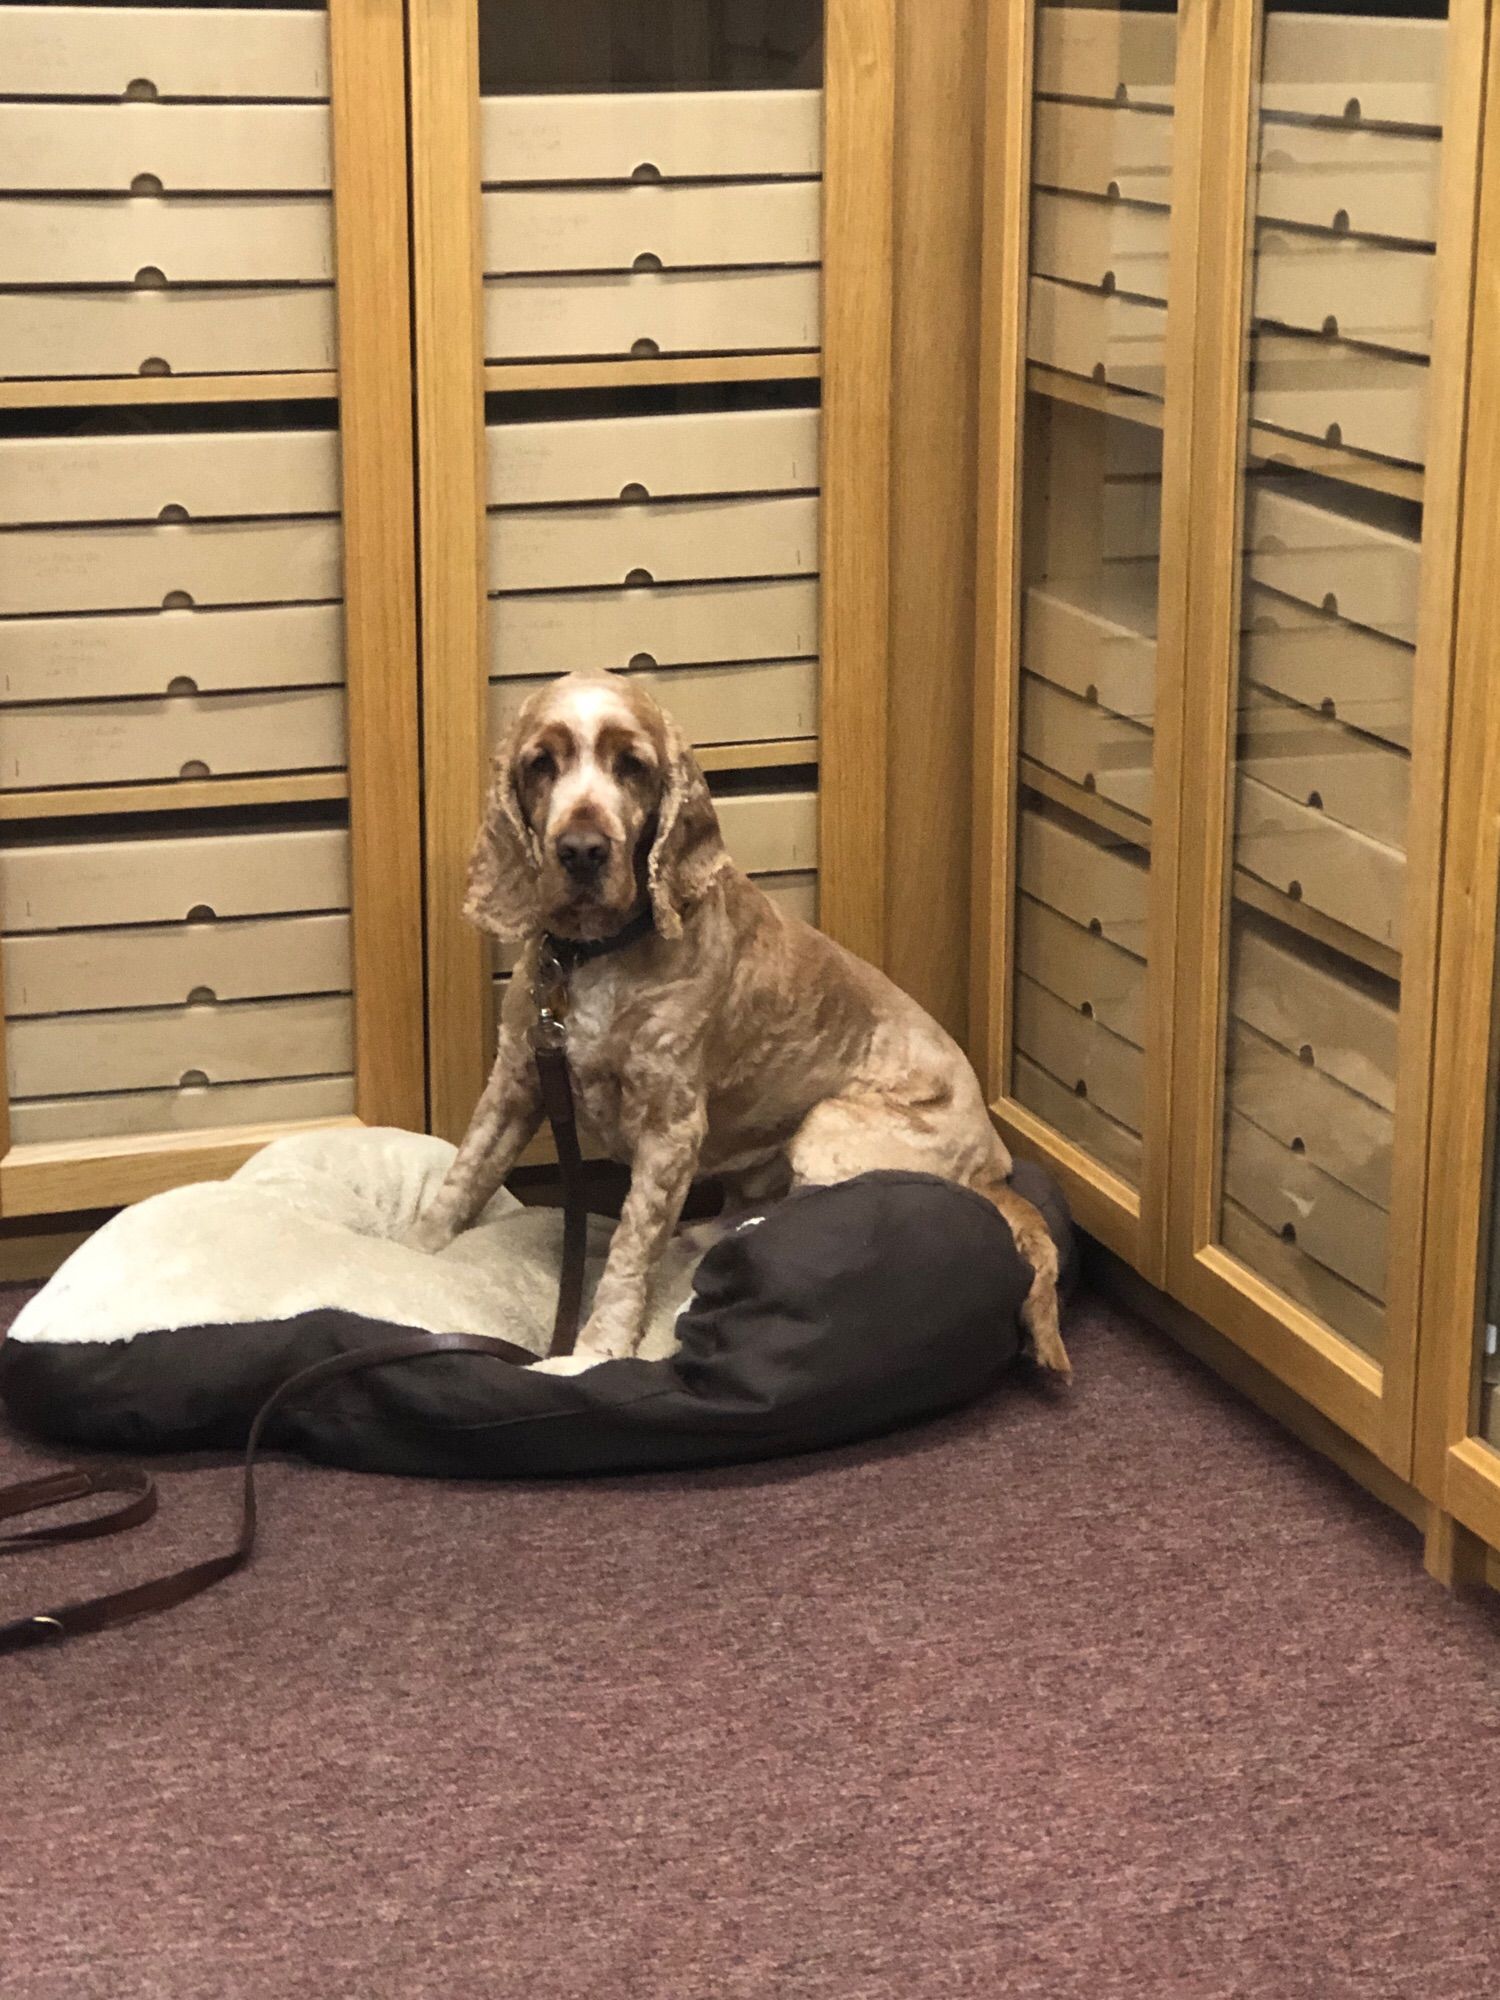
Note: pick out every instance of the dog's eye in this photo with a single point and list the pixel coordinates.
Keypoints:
(629, 766)
(542, 765)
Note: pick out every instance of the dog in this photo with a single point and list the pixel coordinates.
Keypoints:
(708, 1033)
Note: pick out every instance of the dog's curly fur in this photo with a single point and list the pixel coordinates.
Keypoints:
(731, 1040)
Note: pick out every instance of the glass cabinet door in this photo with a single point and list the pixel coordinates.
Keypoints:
(1309, 1068)
(651, 309)
(1458, 1408)
(1088, 526)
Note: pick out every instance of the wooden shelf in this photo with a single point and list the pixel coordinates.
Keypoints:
(1257, 895)
(757, 756)
(109, 1173)
(1102, 813)
(1060, 387)
(1271, 449)
(176, 795)
(652, 371)
(1264, 447)
(1248, 891)
(31, 1250)
(107, 390)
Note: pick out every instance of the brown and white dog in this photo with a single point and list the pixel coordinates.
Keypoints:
(725, 1039)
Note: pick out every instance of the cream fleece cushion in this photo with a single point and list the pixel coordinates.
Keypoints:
(314, 1220)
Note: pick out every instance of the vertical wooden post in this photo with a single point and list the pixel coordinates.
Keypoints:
(859, 118)
(449, 301)
(368, 69)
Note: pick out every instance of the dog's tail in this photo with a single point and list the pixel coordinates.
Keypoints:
(1035, 1243)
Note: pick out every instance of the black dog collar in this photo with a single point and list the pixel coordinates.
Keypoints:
(569, 953)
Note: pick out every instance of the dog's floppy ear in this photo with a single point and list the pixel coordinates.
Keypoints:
(688, 851)
(505, 866)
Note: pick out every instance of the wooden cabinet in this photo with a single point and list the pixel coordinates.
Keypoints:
(361, 367)
(1236, 881)
(208, 664)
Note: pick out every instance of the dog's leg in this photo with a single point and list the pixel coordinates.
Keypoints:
(504, 1121)
(666, 1159)
(1035, 1242)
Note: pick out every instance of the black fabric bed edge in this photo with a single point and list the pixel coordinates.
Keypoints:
(847, 1312)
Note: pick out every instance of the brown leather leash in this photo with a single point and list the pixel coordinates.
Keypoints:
(57, 1489)
(162, 1593)
(557, 959)
(549, 1048)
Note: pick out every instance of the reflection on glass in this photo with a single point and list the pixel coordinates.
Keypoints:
(1340, 337)
(1091, 501)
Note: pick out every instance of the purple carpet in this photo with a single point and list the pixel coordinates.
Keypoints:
(1127, 1695)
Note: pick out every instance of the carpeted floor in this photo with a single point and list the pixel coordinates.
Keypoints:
(1128, 1696)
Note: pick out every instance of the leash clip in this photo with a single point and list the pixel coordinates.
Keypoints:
(550, 992)
(549, 1033)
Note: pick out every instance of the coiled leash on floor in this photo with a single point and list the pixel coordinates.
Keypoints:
(118, 1607)
(161, 1593)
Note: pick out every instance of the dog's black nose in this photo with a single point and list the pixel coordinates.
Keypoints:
(582, 854)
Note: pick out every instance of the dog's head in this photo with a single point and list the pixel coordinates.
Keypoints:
(596, 804)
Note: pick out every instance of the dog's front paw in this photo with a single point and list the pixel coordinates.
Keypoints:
(426, 1234)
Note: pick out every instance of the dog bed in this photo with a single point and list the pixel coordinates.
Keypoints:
(842, 1312)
